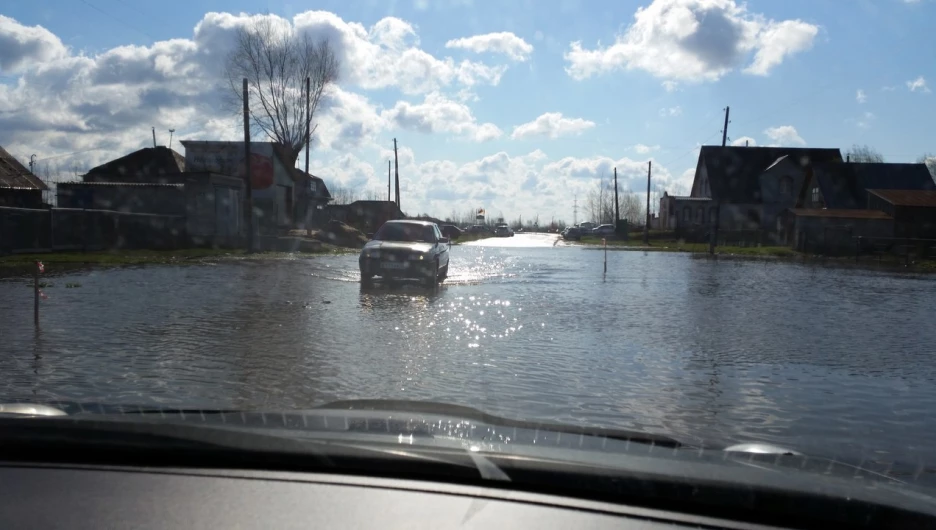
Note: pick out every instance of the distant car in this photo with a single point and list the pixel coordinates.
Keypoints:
(588, 225)
(502, 230)
(477, 229)
(451, 231)
(572, 233)
(406, 249)
(603, 230)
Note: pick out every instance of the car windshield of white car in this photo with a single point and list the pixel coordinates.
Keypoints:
(405, 232)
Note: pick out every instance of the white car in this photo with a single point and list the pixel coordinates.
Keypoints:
(406, 249)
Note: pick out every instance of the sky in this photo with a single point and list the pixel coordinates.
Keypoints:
(516, 107)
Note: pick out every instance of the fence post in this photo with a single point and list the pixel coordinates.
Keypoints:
(36, 293)
(51, 229)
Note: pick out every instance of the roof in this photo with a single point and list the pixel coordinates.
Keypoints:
(147, 163)
(840, 214)
(119, 185)
(920, 198)
(733, 171)
(15, 175)
(844, 185)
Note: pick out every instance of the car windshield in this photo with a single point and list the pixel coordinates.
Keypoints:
(711, 220)
(405, 232)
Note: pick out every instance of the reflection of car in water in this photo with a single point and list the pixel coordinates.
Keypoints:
(406, 249)
(502, 230)
(272, 468)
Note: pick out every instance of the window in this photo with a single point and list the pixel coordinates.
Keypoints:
(687, 214)
(700, 215)
(786, 185)
(815, 195)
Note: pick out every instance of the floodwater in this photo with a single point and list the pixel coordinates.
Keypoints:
(832, 362)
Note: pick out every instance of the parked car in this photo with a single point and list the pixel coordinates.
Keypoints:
(587, 225)
(603, 230)
(502, 230)
(572, 233)
(477, 229)
(406, 249)
(451, 231)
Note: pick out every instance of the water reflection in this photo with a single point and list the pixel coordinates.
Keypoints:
(827, 360)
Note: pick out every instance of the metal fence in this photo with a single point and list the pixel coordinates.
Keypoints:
(25, 230)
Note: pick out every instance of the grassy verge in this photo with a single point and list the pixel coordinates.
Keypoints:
(140, 257)
(664, 245)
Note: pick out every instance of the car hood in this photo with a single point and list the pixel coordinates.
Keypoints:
(398, 245)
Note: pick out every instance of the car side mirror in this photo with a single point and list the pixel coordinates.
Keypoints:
(443, 240)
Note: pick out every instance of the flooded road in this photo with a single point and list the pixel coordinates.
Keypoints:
(836, 362)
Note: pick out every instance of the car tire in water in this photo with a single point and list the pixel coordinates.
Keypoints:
(443, 274)
(367, 279)
(433, 278)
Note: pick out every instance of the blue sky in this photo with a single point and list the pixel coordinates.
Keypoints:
(635, 91)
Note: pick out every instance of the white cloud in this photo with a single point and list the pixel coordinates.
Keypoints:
(644, 149)
(744, 140)
(694, 40)
(503, 42)
(551, 125)
(865, 121)
(860, 96)
(105, 103)
(918, 85)
(784, 135)
(670, 86)
(671, 111)
(22, 46)
(438, 114)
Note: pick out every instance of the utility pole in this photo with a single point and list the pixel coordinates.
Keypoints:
(308, 132)
(575, 210)
(617, 212)
(154, 136)
(724, 132)
(389, 178)
(396, 168)
(248, 191)
(647, 223)
(713, 223)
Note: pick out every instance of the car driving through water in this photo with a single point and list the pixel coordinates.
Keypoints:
(406, 250)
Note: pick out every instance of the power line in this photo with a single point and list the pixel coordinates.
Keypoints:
(114, 17)
(67, 154)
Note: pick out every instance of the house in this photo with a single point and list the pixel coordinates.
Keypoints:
(19, 188)
(159, 165)
(840, 202)
(274, 181)
(129, 197)
(752, 186)
(913, 211)
(312, 196)
(688, 216)
(366, 216)
(845, 185)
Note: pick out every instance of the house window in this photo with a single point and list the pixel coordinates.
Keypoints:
(687, 214)
(786, 185)
(815, 195)
(700, 215)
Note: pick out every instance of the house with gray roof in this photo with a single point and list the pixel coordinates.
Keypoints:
(18, 186)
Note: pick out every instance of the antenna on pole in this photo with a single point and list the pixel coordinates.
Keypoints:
(170, 137)
(154, 136)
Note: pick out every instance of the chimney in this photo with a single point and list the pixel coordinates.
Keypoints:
(847, 158)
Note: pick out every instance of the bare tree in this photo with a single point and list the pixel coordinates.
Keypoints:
(863, 154)
(599, 204)
(276, 61)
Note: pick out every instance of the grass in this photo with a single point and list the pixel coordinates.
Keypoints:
(157, 257)
(671, 245)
